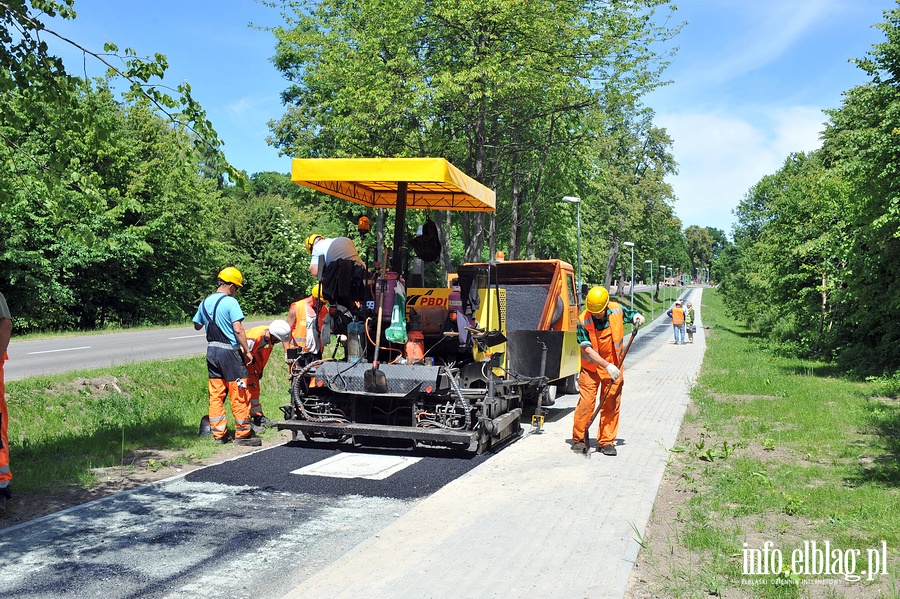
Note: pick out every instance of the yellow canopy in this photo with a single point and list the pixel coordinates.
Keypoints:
(432, 183)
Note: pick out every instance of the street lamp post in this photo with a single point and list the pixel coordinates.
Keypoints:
(631, 245)
(662, 281)
(671, 273)
(577, 201)
(650, 262)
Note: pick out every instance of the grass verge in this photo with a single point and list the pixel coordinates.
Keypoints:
(65, 429)
(780, 451)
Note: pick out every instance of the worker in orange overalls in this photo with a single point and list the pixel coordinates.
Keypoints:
(600, 332)
(227, 358)
(5, 473)
(261, 339)
(310, 325)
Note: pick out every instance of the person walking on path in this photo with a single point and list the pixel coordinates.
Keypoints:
(5, 472)
(227, 357)
(261, 339)
(332, 248)
(676, 313)
(689, 322)
(600, 332)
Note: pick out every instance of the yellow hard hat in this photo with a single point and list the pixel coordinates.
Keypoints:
(597, 298)
(316, 290)
(230, 274)
(311, 240)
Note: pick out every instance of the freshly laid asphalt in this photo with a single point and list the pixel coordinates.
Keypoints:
(537, 520)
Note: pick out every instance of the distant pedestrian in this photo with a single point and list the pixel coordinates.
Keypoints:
(5, 472)
(227, 357)
(600, 332)
(676, 313)
(689, 326)
(261, 340)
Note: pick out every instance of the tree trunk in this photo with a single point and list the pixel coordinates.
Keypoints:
(817, 346)
(611, 263)
(514, 228)
(492, 235)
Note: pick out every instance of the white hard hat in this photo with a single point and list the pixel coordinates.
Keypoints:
(280, 329)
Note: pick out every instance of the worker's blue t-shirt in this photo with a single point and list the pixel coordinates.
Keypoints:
(228, 312)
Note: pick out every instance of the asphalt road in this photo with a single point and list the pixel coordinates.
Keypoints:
(85, 352)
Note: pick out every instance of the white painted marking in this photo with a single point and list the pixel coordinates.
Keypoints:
(188, 336)
(357, 465)
(51, 351)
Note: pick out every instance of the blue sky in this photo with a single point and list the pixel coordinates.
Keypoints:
(750, 80)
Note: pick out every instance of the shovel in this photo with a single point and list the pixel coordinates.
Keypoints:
(374, 380)
(586, 450)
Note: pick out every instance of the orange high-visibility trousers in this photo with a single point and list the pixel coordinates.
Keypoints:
(253, 388)
(219, 389)
(608, 427)
(5, 472)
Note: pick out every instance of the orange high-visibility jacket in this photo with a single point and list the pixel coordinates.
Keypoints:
(606, 342)
(301, 309)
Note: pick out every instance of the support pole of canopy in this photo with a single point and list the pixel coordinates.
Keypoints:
(399, 228)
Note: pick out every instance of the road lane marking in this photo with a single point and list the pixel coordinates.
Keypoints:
(188, 336)
(350, 465)
(50, 351)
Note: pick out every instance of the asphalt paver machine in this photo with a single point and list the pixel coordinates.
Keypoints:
(451, 367)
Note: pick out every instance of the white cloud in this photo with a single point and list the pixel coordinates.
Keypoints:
(754, 35)
(721, 156)
(243, 108)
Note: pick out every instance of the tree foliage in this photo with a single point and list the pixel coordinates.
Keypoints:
(520, 95)
(124, 237)
(27, 65)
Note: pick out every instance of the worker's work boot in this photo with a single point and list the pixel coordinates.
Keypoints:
(257, 429)
(262, 421)
(248, 441)
(222, 440)
(578, 446)
(608, 450)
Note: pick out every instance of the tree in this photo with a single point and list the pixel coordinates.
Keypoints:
(700, 247)
(509, 92)
(862, 141)
(26, 64)
(125, 237)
